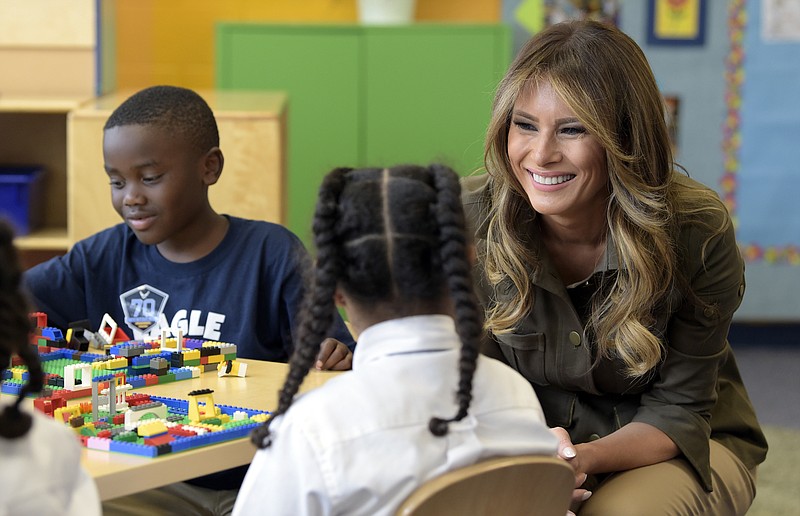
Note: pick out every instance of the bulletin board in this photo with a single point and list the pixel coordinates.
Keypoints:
(762, 128)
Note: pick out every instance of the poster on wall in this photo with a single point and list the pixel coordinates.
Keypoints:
(780, 20)
(676, 22)
(762, 130)
(527, 17)
(557, 11)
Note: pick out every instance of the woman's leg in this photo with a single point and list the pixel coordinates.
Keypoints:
(671, 488)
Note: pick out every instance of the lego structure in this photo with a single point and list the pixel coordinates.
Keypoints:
(69, 370)
(106, 366)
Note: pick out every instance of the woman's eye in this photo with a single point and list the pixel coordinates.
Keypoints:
(116, 184)
(573, 131)
(525, 126)
(151, 179)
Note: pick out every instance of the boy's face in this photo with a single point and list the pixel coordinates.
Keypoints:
(159, 183)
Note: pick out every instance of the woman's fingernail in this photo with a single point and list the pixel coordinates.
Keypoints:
(318, 365)
(586, 496)
(569, 453)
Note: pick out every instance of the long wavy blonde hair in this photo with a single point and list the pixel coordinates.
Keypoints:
(604, 77)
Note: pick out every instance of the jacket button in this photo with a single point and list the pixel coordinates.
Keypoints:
(741, 290)
(709, 311)
(594, 437)
(575, 338)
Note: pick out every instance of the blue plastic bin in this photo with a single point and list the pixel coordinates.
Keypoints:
(21, 197)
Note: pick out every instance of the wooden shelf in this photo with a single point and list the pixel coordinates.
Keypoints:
(38, 103)
(44, 239)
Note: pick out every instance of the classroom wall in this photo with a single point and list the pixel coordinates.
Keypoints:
(172, 42)
(697, 75)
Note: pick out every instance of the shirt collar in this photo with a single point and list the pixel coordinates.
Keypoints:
(419, 333)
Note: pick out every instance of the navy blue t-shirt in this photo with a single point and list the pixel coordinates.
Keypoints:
(247, 291)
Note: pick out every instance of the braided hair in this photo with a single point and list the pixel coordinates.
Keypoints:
(16, 326)
(392, 238)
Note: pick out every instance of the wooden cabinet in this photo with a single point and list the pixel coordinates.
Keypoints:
(251, 127)
(34, 132)
(369, 95)
(51, 61)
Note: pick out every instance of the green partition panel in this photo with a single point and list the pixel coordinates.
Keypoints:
(368, 95)
(319, 69)
(429, 92)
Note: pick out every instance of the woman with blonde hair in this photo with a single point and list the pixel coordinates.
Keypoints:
(610, 279)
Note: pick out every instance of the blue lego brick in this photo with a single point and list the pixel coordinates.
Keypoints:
(51, 333)
(136, 381)
(141, 361)
(182, 373)
(172, 403)
(11, 388)
(133, 448)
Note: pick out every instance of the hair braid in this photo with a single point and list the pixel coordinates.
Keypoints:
(317, 312)
(16, 325)
(453, 251)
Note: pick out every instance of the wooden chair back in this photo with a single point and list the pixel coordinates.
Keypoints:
(509, 486)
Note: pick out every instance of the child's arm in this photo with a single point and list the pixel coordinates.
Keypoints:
(334, 356)
(56, 288)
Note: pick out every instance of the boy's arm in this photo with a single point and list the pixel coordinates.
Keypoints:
(56, 288)
(337, 350)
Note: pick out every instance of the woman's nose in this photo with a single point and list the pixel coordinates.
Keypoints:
(546, 150)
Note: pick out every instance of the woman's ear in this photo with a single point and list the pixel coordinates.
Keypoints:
(212, 166)
(472, 255)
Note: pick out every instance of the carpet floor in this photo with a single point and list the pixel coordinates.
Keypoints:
(776, 487)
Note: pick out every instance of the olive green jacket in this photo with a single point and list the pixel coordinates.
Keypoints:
(695, 393)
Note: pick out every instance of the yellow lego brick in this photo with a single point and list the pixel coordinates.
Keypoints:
(152, 428)
(259, 418)
(17, 372)
(117, 363)
(64, 414)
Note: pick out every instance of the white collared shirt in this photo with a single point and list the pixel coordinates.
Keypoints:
(41, 473)
(360, 444)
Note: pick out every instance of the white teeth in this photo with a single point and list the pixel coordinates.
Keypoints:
(552, 180)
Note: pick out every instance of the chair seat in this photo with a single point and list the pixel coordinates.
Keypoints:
(508, 486)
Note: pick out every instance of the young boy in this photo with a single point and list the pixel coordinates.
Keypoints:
(176, 264)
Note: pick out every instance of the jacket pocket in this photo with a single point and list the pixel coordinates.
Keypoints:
(528, 352)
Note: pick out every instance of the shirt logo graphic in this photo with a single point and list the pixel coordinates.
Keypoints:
(142, 306)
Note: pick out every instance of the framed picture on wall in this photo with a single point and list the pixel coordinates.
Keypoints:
(676, 22)
(556, 11)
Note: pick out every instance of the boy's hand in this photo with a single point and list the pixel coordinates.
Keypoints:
(334, 356)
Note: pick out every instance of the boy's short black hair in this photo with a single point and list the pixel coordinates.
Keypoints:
(179, 110)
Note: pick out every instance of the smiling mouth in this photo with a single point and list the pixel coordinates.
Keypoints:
(140, 222)
(552, 180)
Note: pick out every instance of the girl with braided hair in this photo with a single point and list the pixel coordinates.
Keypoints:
(33, 446)
(392, 252)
